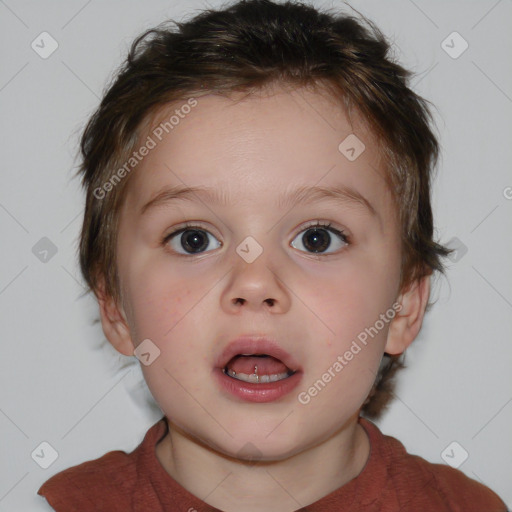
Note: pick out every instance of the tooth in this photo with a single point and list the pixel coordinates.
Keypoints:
(255, 379)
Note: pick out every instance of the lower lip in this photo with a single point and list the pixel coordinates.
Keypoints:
(249, 392)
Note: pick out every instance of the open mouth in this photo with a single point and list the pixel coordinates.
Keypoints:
(257, 368)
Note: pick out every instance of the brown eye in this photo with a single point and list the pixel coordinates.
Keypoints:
(190, 240)
(318, 238)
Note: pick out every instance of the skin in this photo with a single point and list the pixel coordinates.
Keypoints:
(253, 150)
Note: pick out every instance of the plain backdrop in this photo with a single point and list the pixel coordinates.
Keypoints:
(61, 384)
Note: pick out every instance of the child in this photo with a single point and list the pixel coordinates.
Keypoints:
(287, 143)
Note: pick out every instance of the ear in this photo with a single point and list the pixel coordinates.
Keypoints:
(113, 321)
(406, 325)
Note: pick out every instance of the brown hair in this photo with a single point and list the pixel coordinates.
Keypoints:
(245, 47)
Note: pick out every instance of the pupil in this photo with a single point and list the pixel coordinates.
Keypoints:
(319, 238)
(193, 240)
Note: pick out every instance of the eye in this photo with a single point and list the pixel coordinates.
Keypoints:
(317, 238)
(190, 238)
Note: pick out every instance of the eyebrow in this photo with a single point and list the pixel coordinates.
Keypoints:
(303, 194)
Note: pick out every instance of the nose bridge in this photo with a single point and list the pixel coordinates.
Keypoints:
(254, 282)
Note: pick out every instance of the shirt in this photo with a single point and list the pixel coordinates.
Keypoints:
(391, 481)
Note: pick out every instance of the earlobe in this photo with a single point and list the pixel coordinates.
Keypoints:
(114, 322)
(407, 323)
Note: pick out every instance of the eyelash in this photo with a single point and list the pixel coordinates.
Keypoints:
(327, 226)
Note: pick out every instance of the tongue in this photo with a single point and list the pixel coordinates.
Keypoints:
(267, 365)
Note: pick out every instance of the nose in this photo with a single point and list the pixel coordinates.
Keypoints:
(256, 287)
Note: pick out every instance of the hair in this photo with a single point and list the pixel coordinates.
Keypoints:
(246, 47)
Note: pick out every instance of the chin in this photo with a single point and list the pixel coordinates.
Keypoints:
(254, 445)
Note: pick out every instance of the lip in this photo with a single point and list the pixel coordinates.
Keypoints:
(252, 392)
(249, 392)
(256, 345)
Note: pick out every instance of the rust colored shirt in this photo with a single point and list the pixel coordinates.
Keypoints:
(391, 481)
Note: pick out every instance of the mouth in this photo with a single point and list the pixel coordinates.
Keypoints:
(256, 370)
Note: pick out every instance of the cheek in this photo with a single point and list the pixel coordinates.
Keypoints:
(163, 312)
(344, 367)
(350, 306)
(158, 303)
(352, 300)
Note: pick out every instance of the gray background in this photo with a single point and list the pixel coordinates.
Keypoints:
(61, 383)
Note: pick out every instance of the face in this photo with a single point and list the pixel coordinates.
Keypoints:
(309, 272)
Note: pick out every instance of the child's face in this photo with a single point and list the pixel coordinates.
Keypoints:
(252, 153)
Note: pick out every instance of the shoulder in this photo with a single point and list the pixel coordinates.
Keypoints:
(104, 484)
(84, 486)
(420, 483)
(448, 485)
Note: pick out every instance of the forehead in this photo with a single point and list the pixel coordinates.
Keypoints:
(257, 146)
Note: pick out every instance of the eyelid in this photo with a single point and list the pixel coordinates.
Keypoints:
(327, 225)
(177, 230)
(324, 224)
(341, 233)
(190, 224)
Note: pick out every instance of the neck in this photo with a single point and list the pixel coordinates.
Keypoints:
(284, 485)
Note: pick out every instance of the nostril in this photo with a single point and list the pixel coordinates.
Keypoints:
(242, 301)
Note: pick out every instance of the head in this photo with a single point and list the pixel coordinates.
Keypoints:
(254, 102)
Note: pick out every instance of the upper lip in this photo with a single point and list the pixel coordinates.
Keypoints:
(249, 344)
